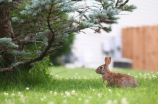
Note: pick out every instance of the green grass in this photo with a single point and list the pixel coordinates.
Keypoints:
(79, 86)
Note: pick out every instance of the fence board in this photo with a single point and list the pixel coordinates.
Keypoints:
(154, 56)
(141, 45)
(148, 48)
(138, 48)
(127, 43)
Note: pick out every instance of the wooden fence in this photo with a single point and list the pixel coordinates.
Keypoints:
(141, 45)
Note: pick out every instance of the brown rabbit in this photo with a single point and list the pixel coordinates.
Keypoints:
(115, 79)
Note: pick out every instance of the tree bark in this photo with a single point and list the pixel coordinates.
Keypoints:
(6, 29)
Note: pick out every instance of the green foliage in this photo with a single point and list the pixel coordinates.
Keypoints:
(5, 1)
(105, 82)
(37, 75)
(40, 72)
(43, 26)
(7, 42)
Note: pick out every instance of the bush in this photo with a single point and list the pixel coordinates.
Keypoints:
(37, 75)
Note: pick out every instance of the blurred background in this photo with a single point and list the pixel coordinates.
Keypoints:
(133, 42)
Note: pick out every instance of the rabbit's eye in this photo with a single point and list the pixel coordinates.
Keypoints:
(101, 67)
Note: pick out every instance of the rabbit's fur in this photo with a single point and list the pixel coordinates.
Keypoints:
(115, 79)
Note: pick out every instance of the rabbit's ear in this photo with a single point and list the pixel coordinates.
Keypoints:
(109, 60)
(106, 60)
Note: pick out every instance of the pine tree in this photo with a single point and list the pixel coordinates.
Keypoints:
(32, 29)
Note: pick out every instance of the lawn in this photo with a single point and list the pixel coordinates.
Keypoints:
(79, 86)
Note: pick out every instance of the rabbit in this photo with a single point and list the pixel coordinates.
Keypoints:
(113, 78)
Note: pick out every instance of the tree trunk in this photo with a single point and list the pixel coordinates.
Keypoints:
(6, 29)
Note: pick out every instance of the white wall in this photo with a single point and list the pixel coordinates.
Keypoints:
(145, 14)
(89, 45)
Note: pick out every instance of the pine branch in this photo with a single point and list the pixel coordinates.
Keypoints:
(116, 4)
(42, 55)
(123, 4)
(50, 51)
(38, 58)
